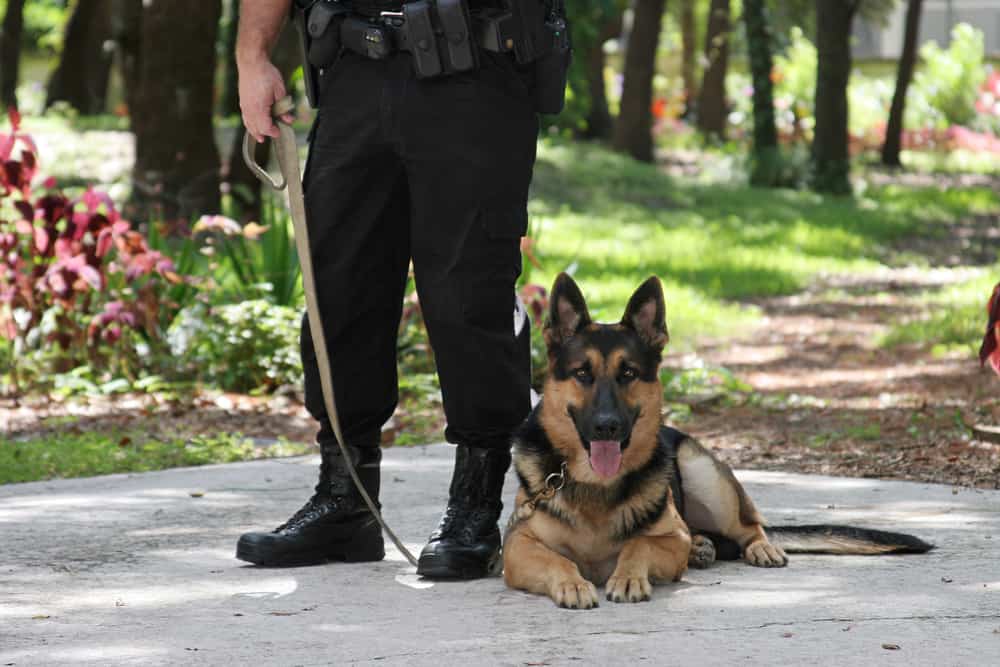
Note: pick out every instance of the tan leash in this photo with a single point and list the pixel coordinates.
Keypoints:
(288, 161)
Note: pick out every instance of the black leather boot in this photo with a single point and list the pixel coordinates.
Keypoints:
(335, 524)
(466, 544)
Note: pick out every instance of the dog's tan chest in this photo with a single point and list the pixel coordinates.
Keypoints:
(591, 544)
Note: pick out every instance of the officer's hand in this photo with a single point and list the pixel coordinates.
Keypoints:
(260, 87)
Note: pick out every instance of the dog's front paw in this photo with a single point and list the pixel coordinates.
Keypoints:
(574, 594)
(627, 588)
(764, 554)
(702, 552)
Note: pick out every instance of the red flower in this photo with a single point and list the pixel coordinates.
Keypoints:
(990, 349)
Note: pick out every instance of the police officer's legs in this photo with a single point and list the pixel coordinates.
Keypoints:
(358, 211)
(469, 146)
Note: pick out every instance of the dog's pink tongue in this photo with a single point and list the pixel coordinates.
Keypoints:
(605, 457)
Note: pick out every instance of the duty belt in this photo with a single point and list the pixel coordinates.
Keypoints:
(441, 36)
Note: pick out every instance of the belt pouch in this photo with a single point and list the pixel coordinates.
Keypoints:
(552, 69)
(323, 26)
(455, 44)
(420, 38)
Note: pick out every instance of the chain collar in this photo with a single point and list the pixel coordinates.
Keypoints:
(554, 482)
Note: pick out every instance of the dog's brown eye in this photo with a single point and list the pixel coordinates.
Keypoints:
(628, 373)
(582, 374)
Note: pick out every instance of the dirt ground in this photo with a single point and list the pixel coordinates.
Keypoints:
(828, 399)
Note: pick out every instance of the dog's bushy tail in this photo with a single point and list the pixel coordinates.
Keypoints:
(826, 539)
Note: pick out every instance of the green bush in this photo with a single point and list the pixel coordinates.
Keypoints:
(43, 24)
(796, 80)
(950, 78)
(245, 346)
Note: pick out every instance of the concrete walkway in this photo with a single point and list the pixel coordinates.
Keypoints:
(139, 569)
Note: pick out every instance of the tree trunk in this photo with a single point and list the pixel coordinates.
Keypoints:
(242, 184)
(712, 109)
(765, 163)
(688, 45)
(229, 103)
(830, 149)
(10, 53)
(599, 122)
(894, 129)
(633, 130)
(177, 162)
(126, 30)
(81, 78)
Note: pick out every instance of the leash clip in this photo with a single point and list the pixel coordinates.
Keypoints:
(556, 481)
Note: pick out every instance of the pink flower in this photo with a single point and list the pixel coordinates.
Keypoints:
(217, 223)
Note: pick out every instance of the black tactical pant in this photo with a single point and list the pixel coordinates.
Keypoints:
(437, 171)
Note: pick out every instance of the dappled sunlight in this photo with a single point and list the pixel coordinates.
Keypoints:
(726, 597)
(218, 557)
(104, 653)
(93, 508)
(419, 465)
(394, 555)
(338, 628)
(807, 378)
(76, 508)
(813, 482)
(25, 603)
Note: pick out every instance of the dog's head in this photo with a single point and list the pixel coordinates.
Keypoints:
(601, 405)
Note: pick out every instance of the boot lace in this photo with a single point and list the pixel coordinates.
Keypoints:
(464, 523)
(314, 508)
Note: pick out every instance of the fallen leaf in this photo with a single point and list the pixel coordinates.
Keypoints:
(786, 635)
(40, 617)
(947, 580)
(282, 613)
(197, 494)
(891, 647)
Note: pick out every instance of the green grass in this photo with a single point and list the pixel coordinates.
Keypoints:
(955, 319)
(92, 453)
(613, 222)
(952, 162)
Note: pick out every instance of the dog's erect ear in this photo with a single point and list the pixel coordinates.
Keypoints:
(567, 311)
(646, 313)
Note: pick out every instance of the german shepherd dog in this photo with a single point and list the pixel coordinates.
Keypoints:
(608, 495)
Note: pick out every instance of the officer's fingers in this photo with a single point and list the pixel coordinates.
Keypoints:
(270, 131)
(260, 122)
(255, 125)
